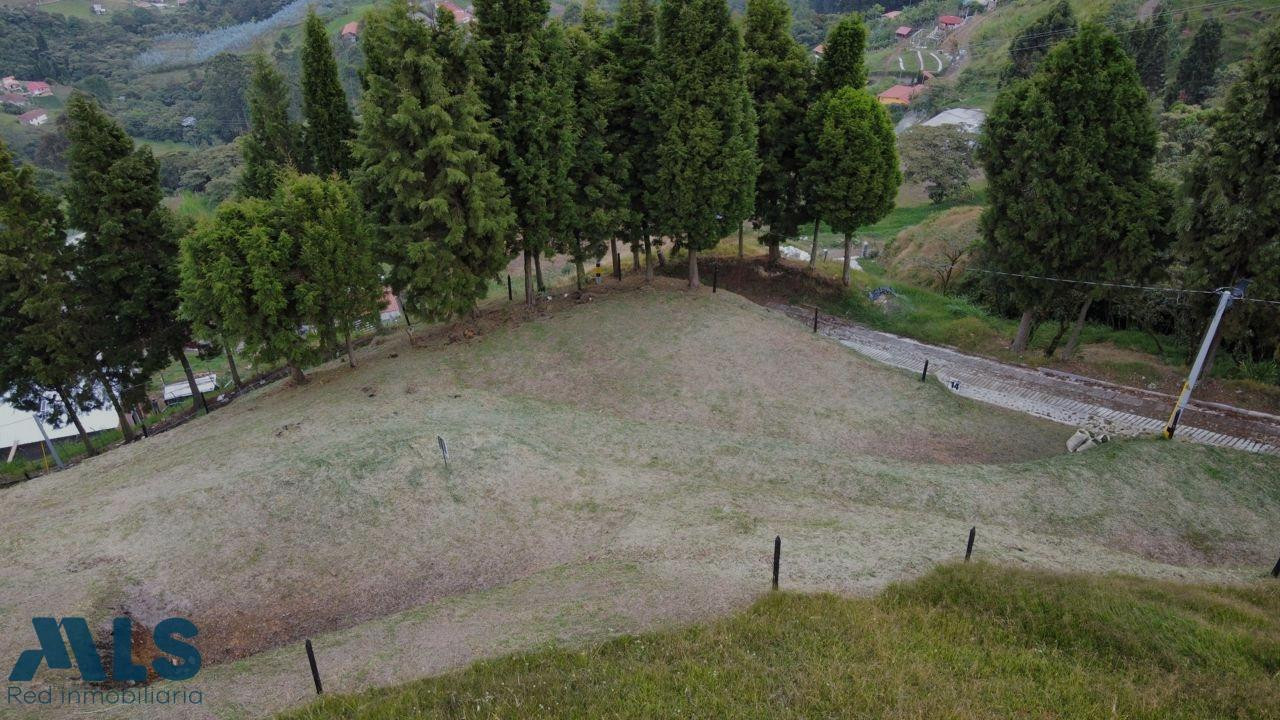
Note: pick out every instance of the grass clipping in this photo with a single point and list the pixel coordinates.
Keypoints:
(965, 641)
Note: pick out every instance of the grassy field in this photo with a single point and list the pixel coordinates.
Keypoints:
(965, 641)
(616, 466)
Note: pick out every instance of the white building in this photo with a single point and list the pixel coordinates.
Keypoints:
(970, 119)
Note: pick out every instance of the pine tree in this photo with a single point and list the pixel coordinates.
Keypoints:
(125, 266)
(595, 197)
(273, 144)
(42, 365)
(779, 78)
(508, 33)
(853, 177)
(1148, 42)
(1199, 66)
(843, 63)
(1036, 40)
(707, 162)
(329, 128)
(1231, 229)
(1068, 158)
(634, 120)
(425, 169)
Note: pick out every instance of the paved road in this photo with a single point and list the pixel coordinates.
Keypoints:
(1058, 396)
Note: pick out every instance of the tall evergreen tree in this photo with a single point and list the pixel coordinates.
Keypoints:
(707, 162)
(274, 141)
(508, 33)
(634, 121)
(1148, 42)
(595, 197)
(854, 174)
(329, 127)
(425, 168)
(843, 61)
(779, 76)
(1231, 226)
(1068, 157)
(1036, 40)
(125, 276)
(1198, 67)
(42, 364)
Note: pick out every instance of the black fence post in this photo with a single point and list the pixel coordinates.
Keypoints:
(315, 673)
(1275, 571)
(715, 277)
(968, 548)
(511, 296)
(815, 319)
(925, 373)
(777, 557)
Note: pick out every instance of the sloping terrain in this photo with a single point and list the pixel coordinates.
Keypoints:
(613, 466)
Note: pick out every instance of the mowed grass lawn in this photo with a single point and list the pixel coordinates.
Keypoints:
(965, 641)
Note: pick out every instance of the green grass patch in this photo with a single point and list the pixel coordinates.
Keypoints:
(965, 641)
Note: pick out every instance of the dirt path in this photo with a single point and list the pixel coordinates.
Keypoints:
(1058, 396)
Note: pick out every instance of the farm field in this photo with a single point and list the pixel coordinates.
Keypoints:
(615, 466)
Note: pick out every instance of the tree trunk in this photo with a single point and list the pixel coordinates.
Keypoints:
(740, 230)
(775, 252)
(197, 397)
(844, 274)
(1057, 338)
(635, 257)
(537, 268)
(528, 278)
(75, 419)
(617, 257)
(231, 365)
(299, 377)
(125, 428)
(351, 351)
(1024, 333)
(693, 268)
(813, 256)
(1073, 342)
(648, 258)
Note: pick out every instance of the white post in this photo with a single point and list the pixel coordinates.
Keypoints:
(1224, 300)
(47, 443)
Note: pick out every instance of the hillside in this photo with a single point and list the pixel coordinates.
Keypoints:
(965, 641)
(615, 466)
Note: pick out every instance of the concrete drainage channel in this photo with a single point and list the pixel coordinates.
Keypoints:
(1097, 406)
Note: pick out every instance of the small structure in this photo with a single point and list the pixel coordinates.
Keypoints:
(351, 30)
(14, 99)
(903, 32)
(948, 22)
(11, 85)
(189, 121)
(819, 49)
(460, 16)
(99, 9)
(391, 306)
(900, 94)
(968, 119)
(891, 14)
(181, 390)
(35, 118)
(35, 88)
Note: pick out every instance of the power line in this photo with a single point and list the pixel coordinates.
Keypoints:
(1124, 286)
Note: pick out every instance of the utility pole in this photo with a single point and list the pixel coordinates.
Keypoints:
(1226, 295)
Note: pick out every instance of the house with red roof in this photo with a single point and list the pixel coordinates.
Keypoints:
(947, 22)
(14, 99)
(351, 30)
(900, 94)
(892, 14)
(460, 16)
(34, 118)
(35, 88)
(903, 32)
(819, 49)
